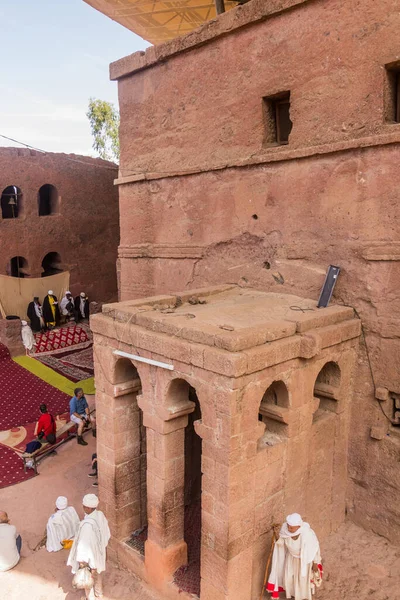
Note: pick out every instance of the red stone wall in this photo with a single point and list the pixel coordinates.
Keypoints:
(221, 207)
(85, 232)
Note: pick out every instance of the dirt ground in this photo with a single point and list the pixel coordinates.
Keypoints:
(358, 564)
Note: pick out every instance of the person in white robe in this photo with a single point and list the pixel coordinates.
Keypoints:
(67, 306)
(62, 525)
(28, 339)
(89, 547)
(296, 568)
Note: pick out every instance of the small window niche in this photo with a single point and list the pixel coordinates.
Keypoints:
(11, 202)
(327, 390)
(276, 117)
(48, 203)
(273, 412)
(392, 93)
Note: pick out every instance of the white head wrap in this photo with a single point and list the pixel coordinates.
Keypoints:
(68, 292)
(90, 501)
(83, 294)
(294, 520)
(24, 323)
(61, 502)
(50, 293)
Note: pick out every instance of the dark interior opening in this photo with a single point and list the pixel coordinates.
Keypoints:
(17, 267)
(47, 200)
(188, 577)
(11, 199)
(51, 264)
(276, 116)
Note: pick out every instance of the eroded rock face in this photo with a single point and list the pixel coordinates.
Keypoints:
(223, 206)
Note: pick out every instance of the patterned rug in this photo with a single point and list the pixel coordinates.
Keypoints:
(187, 578)
(12, 468)
(57, 339)
(75, 364)
(22, 393)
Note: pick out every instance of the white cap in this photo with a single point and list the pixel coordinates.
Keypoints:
(50, 293)
(61, 502)
(68, 292)
(24, 323)
(294, 520)
(90, 501)
(83, 294)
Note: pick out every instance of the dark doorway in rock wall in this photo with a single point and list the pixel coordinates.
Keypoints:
(187, 578)
(51, 264)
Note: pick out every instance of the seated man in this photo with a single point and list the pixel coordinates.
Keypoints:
(10, 544)
(45, 428)
(80, 414)
(62, 525)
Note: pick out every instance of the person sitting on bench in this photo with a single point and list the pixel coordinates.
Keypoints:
(80, 414)
(45, 428)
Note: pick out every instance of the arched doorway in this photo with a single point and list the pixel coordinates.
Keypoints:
(51, 264)
(323, 452)
(48, 200)
(187, 578)
(272, 412)
(133, 435)
(326, 390)
(17, 267)
(11, 202)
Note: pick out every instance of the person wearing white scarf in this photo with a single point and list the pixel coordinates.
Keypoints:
(296, 557)
(62, 525)
(28, 338)
(89, 547)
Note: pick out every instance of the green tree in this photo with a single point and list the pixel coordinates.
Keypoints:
(104, 123)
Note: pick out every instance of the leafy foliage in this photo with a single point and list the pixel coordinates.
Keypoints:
(104, 123)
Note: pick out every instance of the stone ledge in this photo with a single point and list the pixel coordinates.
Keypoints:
(241, 16)
(161, 251)
(278, 154)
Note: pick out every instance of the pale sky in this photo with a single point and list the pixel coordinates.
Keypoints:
(55, 56)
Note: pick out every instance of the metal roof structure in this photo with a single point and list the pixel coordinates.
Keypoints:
(158, 21)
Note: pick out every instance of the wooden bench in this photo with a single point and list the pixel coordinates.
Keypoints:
(46, 449)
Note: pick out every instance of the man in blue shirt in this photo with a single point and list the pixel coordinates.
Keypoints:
(80, 414)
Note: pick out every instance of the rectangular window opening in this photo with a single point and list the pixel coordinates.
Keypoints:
(392, 93)
(276, 117)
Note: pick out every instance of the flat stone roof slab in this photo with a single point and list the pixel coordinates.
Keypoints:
(228, 317)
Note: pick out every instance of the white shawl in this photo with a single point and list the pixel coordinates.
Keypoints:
(309, 548)
(63, 525)
(90, 543)
(28, 339)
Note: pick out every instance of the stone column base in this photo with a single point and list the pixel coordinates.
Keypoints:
(161, 563)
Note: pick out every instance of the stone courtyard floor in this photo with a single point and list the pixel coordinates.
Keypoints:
(358, 565)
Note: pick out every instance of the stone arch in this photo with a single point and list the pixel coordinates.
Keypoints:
(51, 264)
(327, 389)
(181, 396)
(127, 388)
(48, 200)
(272, 412)
(11, 202)
(17, 267)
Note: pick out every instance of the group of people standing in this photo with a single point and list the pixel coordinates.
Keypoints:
(49, 314)
(86, 539)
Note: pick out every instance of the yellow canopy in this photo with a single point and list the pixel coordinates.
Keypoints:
(158, 21)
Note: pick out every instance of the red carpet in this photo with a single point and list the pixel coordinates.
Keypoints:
(60, 338)
(12, 468)
(21, 393)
